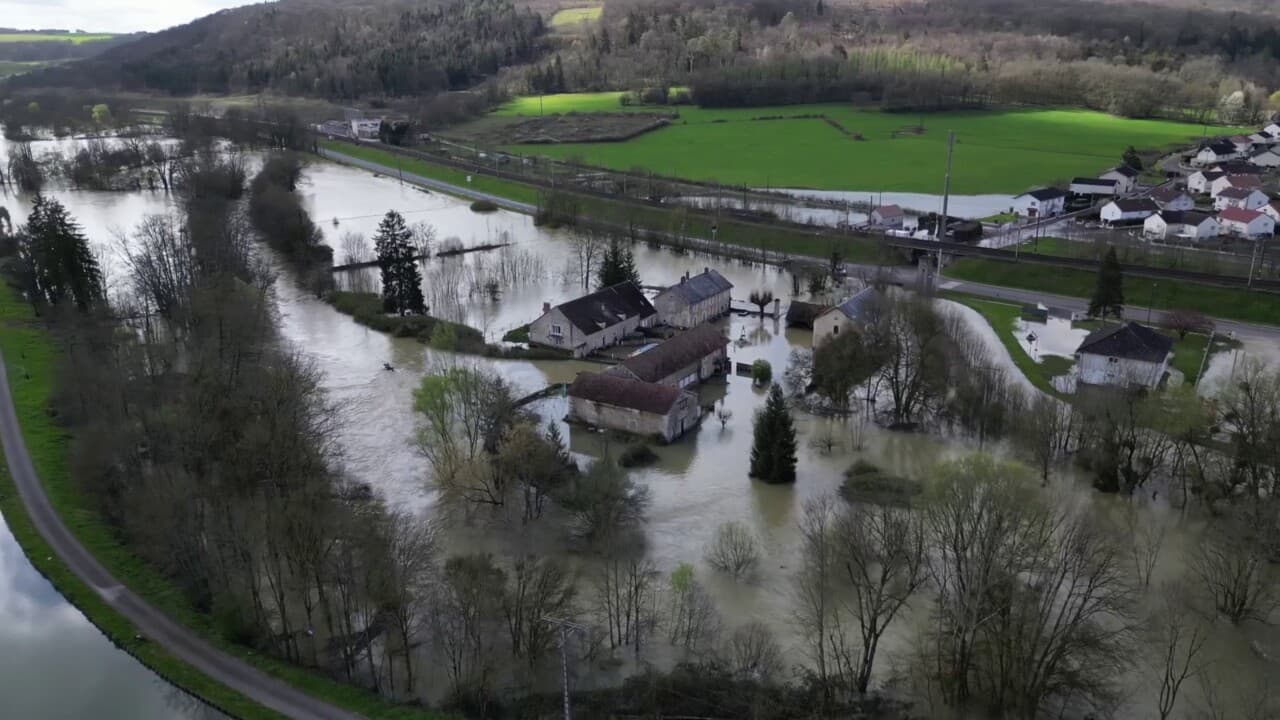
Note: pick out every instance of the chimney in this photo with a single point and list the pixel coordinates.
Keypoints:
(546, 307)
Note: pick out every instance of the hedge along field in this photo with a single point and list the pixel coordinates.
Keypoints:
(998, 151)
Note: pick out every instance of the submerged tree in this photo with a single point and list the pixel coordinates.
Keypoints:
(57, 260)
(401, 280)
(1108, 295)
(773, 450)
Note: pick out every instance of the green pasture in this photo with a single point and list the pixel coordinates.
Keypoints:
(572, 17)
(997, 151)
(77, 38)
(17, 67)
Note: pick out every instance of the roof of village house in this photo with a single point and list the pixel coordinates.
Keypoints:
(861, 306)
(700, 287)
(1130, 341)
(1220, 147)
(1124, 170)
(1130, 205)
(1237, 193)
(888, 211)
(1239, 138)
(1236, 167)
(1244, 181)
(675, 354)
(625, 392)
(605, 308)
(1240, 215)
(1109, 182)
(1184, 217)
(1274, 205)
(1211, 175)
(1168, 193)
(803, 313)
(1266, 151)
(1048, 193)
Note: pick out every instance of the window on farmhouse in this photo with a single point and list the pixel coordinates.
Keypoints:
(556, 330)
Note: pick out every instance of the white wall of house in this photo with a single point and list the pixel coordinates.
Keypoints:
(829, 325)
(1089, 189)
(1273, 130)
(674, 311)
(1181, 203)
(1027, 206)
(1156, 228)
(553, 329)
(1271, 210)
(1198, 183)
(1208, 157)
(1103, 370)
(1124, 183)
(891, 221)
(1112, 214)
(684, 416)
(1256, 200)
(1261, 227)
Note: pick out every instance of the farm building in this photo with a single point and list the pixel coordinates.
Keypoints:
(593, 321)
(1273, 130)
(1181, 225)
(1271, 210)
(1247, 198)
(1124, 355)
(803, 314)
(1044, 202)
(1242, 143)
(1216, 152)
(1269, 158)
(694, 300)
(1126, 178)
(1249, 224)
(1128, 211)
(365, 129)
(632, 406)
(1094, 187)
(852, 314)
(1259, 140)
(1172, 197)
(1200, 181)
(1234, 181)
(888, 216)
(684, 360)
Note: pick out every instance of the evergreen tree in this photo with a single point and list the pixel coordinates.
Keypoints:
(401, 280)
(1132, 158)
(57, 259)
(1108, 296)
(618, 266)
(773, 449)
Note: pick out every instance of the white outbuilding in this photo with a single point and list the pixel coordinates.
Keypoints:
(1128, 211)
(1043, 202)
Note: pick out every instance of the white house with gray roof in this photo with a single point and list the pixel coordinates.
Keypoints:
(849, 316)
(694, 300)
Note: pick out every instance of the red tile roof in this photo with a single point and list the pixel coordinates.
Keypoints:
(1239, 215)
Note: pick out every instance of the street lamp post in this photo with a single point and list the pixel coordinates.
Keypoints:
(1152, 302)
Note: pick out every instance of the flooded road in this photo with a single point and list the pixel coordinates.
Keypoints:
(697, 484)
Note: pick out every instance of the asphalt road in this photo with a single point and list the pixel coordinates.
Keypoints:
(150, 622)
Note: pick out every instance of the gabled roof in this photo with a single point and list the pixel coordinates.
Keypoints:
(1239, 215)
(1245, 181)
(888, 211)
(1266, 151)
(803, 313)
(1130, 341)
(1112, 182)
(861, 307)
(1168, 193)
(1220, 147)
(1184, 217)
(625, 392)
(1237, 167)
(1240, 139)
(1131, 205)
(700, 287)
(1238, 193)
(1124, 170)
(1042, 194)
(606, 308)
(1210, 175)
(677, 353)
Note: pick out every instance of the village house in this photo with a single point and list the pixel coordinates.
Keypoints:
(1271, 210)
(1093, 187)
(1234, 181)
(593, 321)
(684, 360)
(1180, 225)
(1273, 130)
(1126, 178)
(851, 315)
(1260, 140)
(1269, 158)
(1044, 202)
(1130, 211)
(1247, 198)
(1200, 181)
(888, 216)
(1172, 197)
(618, 403)
(1248, 224)
(1124, 355)
(694, 300)
(1216, 152)
(1242, 144)
(1237, 167)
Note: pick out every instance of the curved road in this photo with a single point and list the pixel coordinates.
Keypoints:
(150, 622)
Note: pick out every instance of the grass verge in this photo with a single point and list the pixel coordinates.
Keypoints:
(753, 236)
(31, 358)
(1219, 302)
(1001, 317)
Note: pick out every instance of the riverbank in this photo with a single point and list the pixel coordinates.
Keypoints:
(31, 359)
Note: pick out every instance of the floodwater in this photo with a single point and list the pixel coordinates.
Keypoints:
(969, 207)
(698, 483)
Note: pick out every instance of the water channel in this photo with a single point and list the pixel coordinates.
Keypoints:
(698, 483)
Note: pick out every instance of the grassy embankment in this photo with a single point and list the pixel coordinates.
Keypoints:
(997, 151)
(743, 235)
(1219, 302)
(570, 18)
(31, 358)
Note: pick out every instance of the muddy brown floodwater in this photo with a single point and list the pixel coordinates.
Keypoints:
(698, 483)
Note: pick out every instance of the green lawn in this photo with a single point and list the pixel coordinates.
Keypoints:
(31, 359)
(1140, 253)
(76, 38)
(15, 67)
(572, 17)
(997, 151)
(1001, 317)
(1219, 302)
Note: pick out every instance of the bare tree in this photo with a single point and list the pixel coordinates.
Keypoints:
(1044, 430)
(586, 248)
(407, 581)
(355, 248)
(752, 652)
(626, 598)
(423, 238)
(734, 550)
(1184, 321)
(814, 587)
(539, 588)
(1235, 572)
(692, 619)
(1147, 533)
(466, 622)
(1179, 638)
(761, 298)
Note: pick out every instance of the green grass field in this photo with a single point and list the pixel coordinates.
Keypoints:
(15, 67)
(76, 38)
(31, 359)
(997, 151)
(573, 17)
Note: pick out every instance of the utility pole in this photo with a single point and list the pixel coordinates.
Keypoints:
(941, 230)
(565, 628)
(1204, 360)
